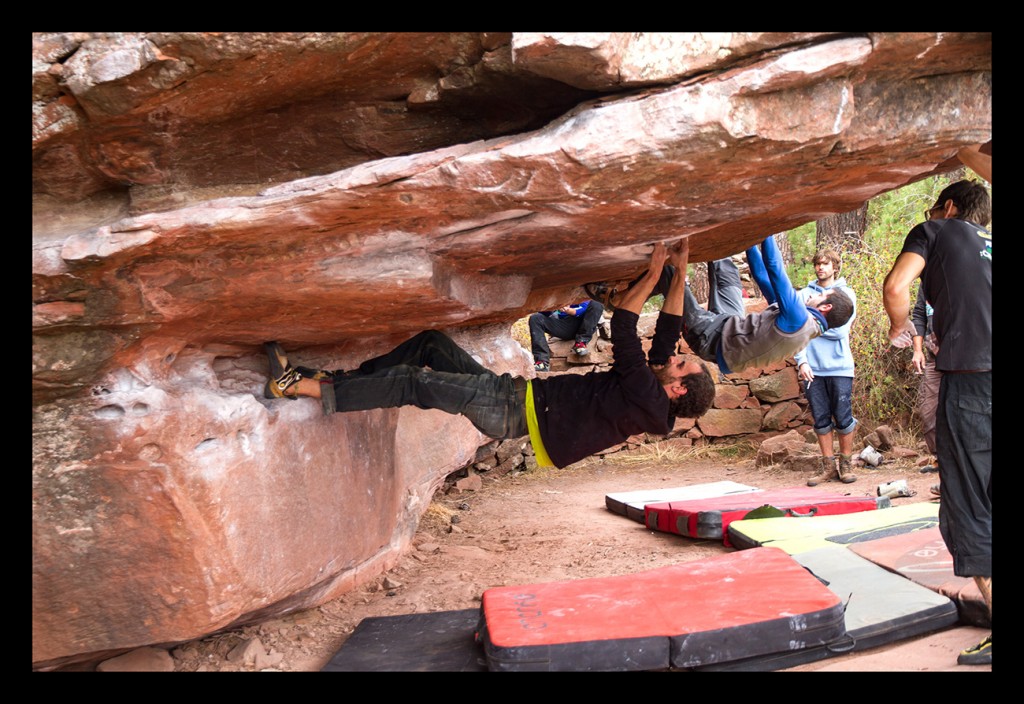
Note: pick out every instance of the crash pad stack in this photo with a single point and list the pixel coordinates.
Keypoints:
(631, 503)
(815, 575)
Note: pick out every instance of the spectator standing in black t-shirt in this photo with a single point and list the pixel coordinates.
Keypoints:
(952, 253)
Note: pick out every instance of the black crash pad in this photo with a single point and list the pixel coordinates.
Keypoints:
(443, 641)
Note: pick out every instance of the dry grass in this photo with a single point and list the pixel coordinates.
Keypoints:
(521, 332)
(902, 437)
(437, 518)
(659, 452)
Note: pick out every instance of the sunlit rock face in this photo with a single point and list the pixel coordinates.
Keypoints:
(196, 194)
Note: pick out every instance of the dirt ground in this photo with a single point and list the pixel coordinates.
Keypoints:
(546, 525)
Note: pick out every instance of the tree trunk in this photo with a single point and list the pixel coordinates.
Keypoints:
(699, 282)
(782, 240)
(843, 232)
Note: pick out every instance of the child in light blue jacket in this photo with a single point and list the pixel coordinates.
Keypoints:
(825, 366)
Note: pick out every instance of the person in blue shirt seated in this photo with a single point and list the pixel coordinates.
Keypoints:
(573, 322)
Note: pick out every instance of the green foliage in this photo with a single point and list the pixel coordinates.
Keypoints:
(802, 244)
(653, 304)
(886, 389)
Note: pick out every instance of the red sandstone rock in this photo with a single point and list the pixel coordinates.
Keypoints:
(195, 194)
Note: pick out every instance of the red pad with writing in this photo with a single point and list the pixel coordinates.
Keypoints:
(922, 557)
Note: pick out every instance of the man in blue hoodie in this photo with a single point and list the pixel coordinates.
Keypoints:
(825, 365)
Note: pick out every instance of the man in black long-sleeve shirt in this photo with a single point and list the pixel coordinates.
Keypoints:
(567, 417)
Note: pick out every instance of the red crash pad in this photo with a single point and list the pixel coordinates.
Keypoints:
(922, 557)
(710, 518)
(723, 608)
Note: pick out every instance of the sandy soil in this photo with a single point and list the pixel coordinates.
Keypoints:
(550, 525)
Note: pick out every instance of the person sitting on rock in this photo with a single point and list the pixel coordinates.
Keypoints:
(736, 341)
(573, 322)
(567, 417)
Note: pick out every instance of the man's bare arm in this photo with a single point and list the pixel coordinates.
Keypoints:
(979, 163)
(678, 257)
(633, 300)
(896, 297)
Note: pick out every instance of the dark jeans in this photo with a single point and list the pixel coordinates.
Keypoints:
(830, 399)
(963, 438)
(454, 383)
(568, 327)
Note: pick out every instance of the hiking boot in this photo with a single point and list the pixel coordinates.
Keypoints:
(580, 348)
(828, 472)
(846, 475)
(282, 375)
(542, 366)
(980, 654)
(935, 490)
